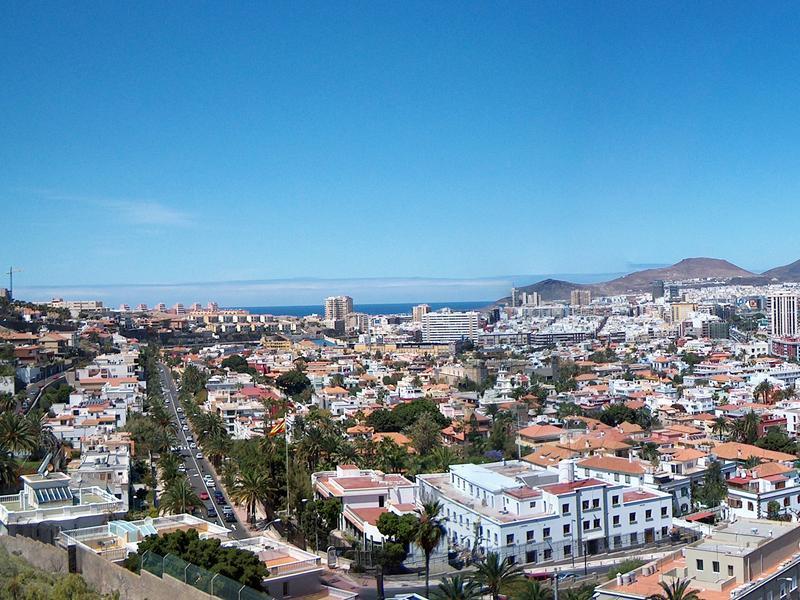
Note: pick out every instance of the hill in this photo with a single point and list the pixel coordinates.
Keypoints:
(688, 268)
(642, 281)
(790, 272)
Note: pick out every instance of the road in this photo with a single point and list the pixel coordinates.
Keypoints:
(34, 390)
(197, 468)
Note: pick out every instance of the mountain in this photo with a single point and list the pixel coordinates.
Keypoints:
(790, 272)
(688, 268)
(642, 281)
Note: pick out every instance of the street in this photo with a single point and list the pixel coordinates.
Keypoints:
(196, 469)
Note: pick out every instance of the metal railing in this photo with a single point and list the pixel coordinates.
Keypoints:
(199, 578)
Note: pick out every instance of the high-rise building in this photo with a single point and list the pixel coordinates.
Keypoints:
(658, 289)
(212, 306)
(160, 307)
(783, 309)
(580, 297)
(418, 311)
(514, 297)
(195, 306)
(338, 307)
(179, 309)
(446, 326)
(530, 299)
(679, 311)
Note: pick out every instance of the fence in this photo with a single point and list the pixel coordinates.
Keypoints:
(199, 578)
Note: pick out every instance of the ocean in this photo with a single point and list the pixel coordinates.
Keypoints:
(402, 308)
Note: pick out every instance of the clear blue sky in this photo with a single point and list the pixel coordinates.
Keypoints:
(179, 142)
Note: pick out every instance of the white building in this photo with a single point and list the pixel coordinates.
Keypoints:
(783, 310)
(446, 326)
(337, 307)
(530, 515)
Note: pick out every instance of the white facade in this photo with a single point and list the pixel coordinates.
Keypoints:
(783, 309)
(529, 515)
(446, 326)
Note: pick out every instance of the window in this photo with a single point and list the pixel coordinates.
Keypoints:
(529, 536)
(596, 524)
(511, 559)
(585, 525)
(615, 500)
(566, 529)
(546, 532)
(616, 476)
(617, 541)
(548, 553)
(627, 478)
(565, 509)
(532, 505)
(509, 539)
(596, 503)
(699, 564)
(632, 517)
(730, 570)
(381, 501)
(568, 550)
(749, 506)
(530, 556)
(663, 511)
(285, 588)
(648, 515)
(715, 566)
(585, 505)
(615, 520)
(684, 492)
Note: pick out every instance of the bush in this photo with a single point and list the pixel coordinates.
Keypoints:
(625, 566)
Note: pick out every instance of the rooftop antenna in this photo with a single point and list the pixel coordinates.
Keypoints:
(10, 273)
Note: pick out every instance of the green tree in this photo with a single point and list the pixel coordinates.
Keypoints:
(428, 534)
(494, 574)
(677, 589)
(534, 590)
(714, 489)
(179, 497)
(293, 383)
(720, 427)
(249, 491)
(425, 434)
(457, 587)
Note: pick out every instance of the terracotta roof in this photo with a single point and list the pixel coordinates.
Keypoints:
(559, 489)
(541, 431)
(612, 464)
(737, 451)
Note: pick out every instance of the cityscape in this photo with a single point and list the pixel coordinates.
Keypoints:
(452, 301)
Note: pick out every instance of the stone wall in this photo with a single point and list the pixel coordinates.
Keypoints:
(101, 575)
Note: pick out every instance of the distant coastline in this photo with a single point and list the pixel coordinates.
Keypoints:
(399, 308)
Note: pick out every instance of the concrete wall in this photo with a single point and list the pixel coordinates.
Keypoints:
(42, 556)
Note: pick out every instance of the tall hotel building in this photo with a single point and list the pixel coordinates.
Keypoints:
(784, 314)
(337, 307)
(445, 326)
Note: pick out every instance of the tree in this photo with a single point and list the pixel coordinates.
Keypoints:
(192, 380)
(626, 566)
(777, 440)
(249, 490)
(457, 587)
(569, 409)
(762, 391)
(430, 530)
(773, 510)
(168, 465)
(400, 531)
(616, 413)
(179, 497)
(390, 457)
(425, 434)
(714, 489)
(678, 589)
(18, 433)
(494, 574)
(293, 383)
(745, 429)
(720, 427)
(649, 451)
(534, 590)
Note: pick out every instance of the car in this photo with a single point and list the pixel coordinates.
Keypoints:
(182, 469)
(219, 496)
(199, 455)
(185, 428)
(211, 483)
(192, 445)
(212, 514)
(180, 409)
(203, 495)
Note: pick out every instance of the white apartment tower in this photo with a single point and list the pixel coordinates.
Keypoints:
(337, 307)
(419, 311)
(445, 326)
(784, 313)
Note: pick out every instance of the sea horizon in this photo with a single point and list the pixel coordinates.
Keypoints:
(374, 309)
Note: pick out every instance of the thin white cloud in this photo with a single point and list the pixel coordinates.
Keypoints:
(131, 211)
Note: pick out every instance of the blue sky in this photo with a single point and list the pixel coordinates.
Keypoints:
(157, 143)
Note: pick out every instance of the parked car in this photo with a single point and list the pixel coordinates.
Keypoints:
(203, 495)
(199, 456)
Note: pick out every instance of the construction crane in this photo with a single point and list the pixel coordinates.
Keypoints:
(10, 273)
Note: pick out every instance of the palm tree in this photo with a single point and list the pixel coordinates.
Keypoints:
(443, 457)
(494, 574)
(390, 457)
(457, 587)
(534, 590)
(7, 403)
(720, 427)
(585, 592)
(168, 463)
(249, 490)
(8, 468)
(763, 390)
(179, 497)
(428, 535)
(677, 590)
(217, 448)
(17, 433)
(745, 429)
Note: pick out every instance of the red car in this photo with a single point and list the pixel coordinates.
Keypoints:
(203, 495)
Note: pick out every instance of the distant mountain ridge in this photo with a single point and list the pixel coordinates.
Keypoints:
(642, 281)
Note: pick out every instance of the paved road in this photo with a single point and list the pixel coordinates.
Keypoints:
(34, 390)
(197, 468)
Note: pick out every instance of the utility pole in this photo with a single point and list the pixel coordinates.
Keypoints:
(10, 273)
